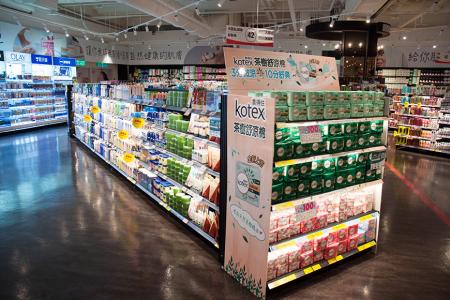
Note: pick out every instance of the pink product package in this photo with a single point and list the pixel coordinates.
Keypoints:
(332, 238)
(321, 221)
(318, 255)
(343, 234)
(331, 251)
(342, 247)
(306, 246)
(294, 261)
(306, 259)
(352, 242)
(320, 243)
(352, 229)
(308, 225)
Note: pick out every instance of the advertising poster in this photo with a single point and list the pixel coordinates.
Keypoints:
(250, 70)
(250, 132)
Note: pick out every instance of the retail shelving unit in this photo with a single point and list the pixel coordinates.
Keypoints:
(166, 142)
(33, 92)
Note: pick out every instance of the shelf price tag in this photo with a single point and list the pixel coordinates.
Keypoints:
(123, 134)
(128, 157)
(138, 122)
(95, 109)
(419, 105)
(87, 118)
(406, 104)
(305, 210)
(310, 134)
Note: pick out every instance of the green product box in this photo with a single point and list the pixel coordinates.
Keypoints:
(277, 175)
(357, 110)
(341, 179)
(373, 174)
(341, 162)
(292, 172)
(379, 96)
(302, 188)
(304, 169)
(277, 192)
(283, 151)
(345, 111)
(280, 98)
(350, 142)
(331, 112)
(342, 97)
(319, 147)
(370, 96)
(314, 98)
(290, 190)
(331, 98)
(329, 165)
(351, 128)
(352, 160)
(301, 150)
(361, 160)
(281, 113)
(362, 141)
(296, 98)
(315, 112)
(282, 134)
(315, 184)
(360, 174)
(368, 110)
(376, 126)
(317, 167)
(335, 144)
(378, 110)
(374, 139)
(297, 113)
(335, 129)
(328, 182)
(353, 96)
(363, 127)
(376, 157)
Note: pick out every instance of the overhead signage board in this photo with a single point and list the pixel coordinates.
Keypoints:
(64, 61)
(17, 57)
(41, 59)
(239, 35)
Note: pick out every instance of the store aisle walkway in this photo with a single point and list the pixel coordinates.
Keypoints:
(72, 229)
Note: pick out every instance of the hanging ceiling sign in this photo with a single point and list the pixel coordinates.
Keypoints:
(249, 36)
(17, 57)
(64, 61)
(41, 59)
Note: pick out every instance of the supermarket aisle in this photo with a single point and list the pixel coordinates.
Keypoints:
(69, 228)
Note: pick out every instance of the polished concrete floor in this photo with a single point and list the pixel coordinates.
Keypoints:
(71, 229)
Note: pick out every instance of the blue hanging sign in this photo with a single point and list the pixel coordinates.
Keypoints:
(41, 59)
(64, 61)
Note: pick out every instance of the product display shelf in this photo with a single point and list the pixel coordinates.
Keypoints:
(317, 266)
(327, 122)
(139, 167)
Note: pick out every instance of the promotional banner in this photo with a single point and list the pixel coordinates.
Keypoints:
(17, 57)
(239, 35)
(263, 70)
(41, 59)
(411, 57)
(250, 133)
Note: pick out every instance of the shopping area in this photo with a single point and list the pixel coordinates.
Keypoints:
(224, 149)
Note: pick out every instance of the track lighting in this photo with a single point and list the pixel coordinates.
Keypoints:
(368, 20)
(332, 23)
(159, 24)
(86, 37)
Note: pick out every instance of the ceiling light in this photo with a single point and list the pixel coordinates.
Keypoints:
(336, 46)
(46, 29)
(66, 33)
(125, 35)
(301, 28)
(323, 44)
(306, 46)
(350, 45)
(404, 37)
(197, 11)
(117, 38)
(103, 41)
(146, 28)
(149, 47)
(159, 24)
(434, 46)
(360, 44)
(86, 37)
(220, 3)
(368, 20)
(332, 23)
(134, 32)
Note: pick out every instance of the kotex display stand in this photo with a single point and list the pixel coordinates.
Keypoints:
(304, 167)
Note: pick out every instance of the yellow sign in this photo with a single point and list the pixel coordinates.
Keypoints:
(308, 270)
(406, 104)
(419, 105)
(316, 267)
(95, 109)
(123, 134)
(87, 118)
(138, 122)
(128, 157)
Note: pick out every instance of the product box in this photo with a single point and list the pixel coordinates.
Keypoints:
(335, 144)
(283, 151)
(290, 190)
(343, 234)
(351, 176)
(373, 174)
(315, 186)
(352, 242)
(277, 192)
(314, 98)
(306, 246)
(292, 172)
(315, 112)
(280, 98)
(341, 179)
(321, 221)
(368, 110)
(302, 188)
(341, 162)
(301, 150)
(376, 126)
(330, 98)
(331, 112)
(357, 110)
(320, 243)
(351, 128)
(374, 139)
(360, 174)
(363, 127)
(361, 159)
(329, 165)
(297, 113)
(378, 109)
(344, 111)
(294, 261)
(350, 142)
(282, 134)
(319, 147)
(351, 160)
(304, 169)
(308, 225)
(306, 259)
(362, 141)
(342, 247)
(318, 255)
(296, 98)
(316, 167)
(352, 230)
(281, 113)
(335, 129)
(277, 175)
(328, 182)
(331, 251)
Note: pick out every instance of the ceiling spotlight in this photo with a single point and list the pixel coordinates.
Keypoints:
(146, 28)
(86, 37)
(66, 33)
(197, 11)
(332, 23)
(117, 38)
(301, 28)
(220, 3)
(360, 44)
(149, 47)
(306, 46)
(350, 45)
(434, 46)
(134, 32)
(323, 44)
(125, 35)
(404, 37)
(381, 46)
(336, 46)
(159, 24)
(368, 20)
(46, 29)
(103, 41)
